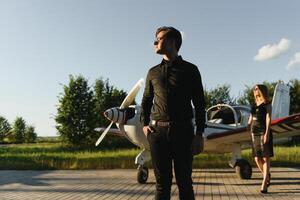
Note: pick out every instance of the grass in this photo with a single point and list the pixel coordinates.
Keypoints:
(57, 156)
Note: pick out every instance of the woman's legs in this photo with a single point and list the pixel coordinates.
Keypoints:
(259, 163)
(262, 161)
(266, 171)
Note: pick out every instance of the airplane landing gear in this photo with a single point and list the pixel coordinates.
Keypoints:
(142, 174)
(242, 166)
(141, 159)
(243, 169)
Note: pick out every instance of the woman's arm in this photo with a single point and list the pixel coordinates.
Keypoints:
(250, 121)
(268, 123)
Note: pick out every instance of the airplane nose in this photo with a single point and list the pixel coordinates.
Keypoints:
(115, 114)
(108, 114)
(105, 113)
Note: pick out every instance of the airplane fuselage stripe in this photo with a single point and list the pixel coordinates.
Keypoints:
(118, 115)
(277, 129)
(123, 118)
(225, 128)
(112, 114)
(223, 134)
(288, 126)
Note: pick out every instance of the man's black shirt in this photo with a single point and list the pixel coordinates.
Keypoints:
(170, 89)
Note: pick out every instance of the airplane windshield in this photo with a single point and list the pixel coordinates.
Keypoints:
(221, 115)
(228, 115)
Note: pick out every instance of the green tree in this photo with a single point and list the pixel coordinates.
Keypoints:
(76, 116)
(247, 97)
(30, 134)
(19, 130)
(5, 128)
(295, 96)
(295, 103)
(218, 95)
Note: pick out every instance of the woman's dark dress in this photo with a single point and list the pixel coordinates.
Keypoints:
(258, 129)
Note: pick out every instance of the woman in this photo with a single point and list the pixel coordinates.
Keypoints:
(262, 139)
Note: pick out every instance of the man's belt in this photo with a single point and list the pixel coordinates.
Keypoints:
(168, 123)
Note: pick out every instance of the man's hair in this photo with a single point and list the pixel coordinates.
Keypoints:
(171, 33)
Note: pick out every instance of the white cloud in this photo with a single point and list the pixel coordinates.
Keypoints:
(270, 51)
(294, 62)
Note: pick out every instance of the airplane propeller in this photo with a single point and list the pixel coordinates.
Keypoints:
(126, 102)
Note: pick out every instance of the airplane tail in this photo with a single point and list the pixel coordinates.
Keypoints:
(281, 101)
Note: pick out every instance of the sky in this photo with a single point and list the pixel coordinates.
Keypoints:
(43, 42)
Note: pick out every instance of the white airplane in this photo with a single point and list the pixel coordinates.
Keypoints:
(226, 130)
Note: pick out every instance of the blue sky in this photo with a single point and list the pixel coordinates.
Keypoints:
(43, 42)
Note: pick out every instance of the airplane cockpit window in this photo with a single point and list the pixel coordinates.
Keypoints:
(244, 113)
(222, 115)
(228, 115)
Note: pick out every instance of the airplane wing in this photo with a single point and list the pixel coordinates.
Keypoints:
(112, 131)
(286, 126)
(281, 128)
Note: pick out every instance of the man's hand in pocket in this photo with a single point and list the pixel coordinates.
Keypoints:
(147, 130)
(197, 144)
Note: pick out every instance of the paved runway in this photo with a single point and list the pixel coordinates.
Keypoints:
(121, 184)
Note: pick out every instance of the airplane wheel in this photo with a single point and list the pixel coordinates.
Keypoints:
(243, 169)
(142, 174)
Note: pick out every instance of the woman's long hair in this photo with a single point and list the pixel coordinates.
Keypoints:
(264, 92)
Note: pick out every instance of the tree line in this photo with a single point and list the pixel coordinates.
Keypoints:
(80, 107)
(17, 132)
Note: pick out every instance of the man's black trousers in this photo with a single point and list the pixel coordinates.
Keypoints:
(172, 145)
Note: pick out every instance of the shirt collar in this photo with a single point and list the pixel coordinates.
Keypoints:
(177, 60)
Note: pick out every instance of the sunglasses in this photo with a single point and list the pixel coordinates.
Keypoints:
(159, 39)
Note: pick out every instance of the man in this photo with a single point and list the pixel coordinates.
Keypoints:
(167, 115)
